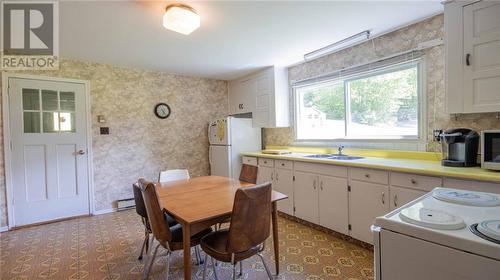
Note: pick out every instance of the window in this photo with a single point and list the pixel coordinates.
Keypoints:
(383, 104)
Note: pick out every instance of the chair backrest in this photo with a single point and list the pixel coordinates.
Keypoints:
(173, 175)
(139, 202)
(248, 173)
(156, 218)
(251, 218)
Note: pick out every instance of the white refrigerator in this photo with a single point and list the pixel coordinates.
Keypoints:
(228, 137)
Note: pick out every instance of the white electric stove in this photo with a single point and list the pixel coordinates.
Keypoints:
(445, 234)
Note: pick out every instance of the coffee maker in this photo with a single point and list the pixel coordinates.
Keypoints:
(460, 147)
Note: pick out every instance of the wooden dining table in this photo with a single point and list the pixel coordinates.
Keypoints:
(201, 202)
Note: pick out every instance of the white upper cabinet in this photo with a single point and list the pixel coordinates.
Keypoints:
(265, 95)
(472, 31)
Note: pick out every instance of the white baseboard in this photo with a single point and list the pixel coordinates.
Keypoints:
(3, 229)
(104, 211)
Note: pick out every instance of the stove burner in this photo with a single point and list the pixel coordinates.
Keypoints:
(466, 197)
(473, 229)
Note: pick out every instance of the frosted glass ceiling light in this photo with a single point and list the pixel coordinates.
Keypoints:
(181, 18)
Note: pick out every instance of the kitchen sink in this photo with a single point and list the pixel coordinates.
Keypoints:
(320, 156)
(333, 156)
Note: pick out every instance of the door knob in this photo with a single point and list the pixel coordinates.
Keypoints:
(80, 152)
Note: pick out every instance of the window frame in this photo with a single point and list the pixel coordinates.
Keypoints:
(421, 114)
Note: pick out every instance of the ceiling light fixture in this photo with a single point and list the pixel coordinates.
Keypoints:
(337, 46)
(181, 18)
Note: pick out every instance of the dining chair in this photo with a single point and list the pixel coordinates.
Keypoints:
(248, 174)
(173, 175)
(169, 238)
(249, 229)
(141, 211)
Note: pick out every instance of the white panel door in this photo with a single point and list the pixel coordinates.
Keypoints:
(333, 203)
(367, 201)
(265, 174)
(401, 196)
(49, 150)
(283, 183)
(220, 160)
(482, 57)
(305, 189)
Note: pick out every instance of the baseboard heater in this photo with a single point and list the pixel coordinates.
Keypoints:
(124, 204)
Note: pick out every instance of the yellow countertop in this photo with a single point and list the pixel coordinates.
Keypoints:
(411, 162)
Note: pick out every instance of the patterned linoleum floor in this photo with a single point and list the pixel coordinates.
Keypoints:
(107, 246)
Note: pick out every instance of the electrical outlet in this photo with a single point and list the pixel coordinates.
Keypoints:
(437, 134)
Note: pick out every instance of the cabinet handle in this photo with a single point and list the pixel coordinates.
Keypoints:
(277, 176)
(413, 181)
(467, 59)
(321, 185)
(395, 200)
(383, 197)
(272, 176)
(282, 164)
(314, 184)
(367, 175)
(265, 161)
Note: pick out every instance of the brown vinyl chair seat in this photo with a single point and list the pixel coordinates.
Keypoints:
(215, 245)
(176, 242)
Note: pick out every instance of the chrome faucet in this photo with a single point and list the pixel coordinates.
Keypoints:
(340, 150)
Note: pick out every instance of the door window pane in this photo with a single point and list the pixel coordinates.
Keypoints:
(67, 101)
(31, 99)
(49, 100)
(50, 122)
(31, 122)
(321, 112)
(67, 122)
(384, 105)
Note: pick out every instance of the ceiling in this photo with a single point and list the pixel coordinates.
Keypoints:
(235, 38)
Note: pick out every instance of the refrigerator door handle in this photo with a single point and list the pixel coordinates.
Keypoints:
(210, 155)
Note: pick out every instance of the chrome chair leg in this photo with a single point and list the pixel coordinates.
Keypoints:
(234, 271)
(241, 269)
(197, 252)
(168, 264)
(145, 245)
(213, 267)
(205, 267)
(145, 274)
(265, 266)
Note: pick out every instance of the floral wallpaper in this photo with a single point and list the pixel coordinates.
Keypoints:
(139, 144)
(401, 40)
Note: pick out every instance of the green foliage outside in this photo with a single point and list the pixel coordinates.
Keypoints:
(385, 99)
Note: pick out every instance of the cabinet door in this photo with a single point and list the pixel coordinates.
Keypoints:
(333, 206)
(401, 196)
(265, 174)
(482, 57)
(367, 201)
(306, 196)
(234, 93)
(283, 183)
(248, 96)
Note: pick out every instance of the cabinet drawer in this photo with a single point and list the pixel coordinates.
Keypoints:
(284, 164)
(249, 160)
(324, 169)
(370, 175)
(412, 181)
(266, 162)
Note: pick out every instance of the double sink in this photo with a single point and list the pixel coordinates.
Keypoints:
(333, 156)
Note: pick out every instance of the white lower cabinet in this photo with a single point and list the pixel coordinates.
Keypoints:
(283, 183)
(265, 174)
(319, 193)
(333, 203)
(401, 196)
(306, 196)
(367, 201)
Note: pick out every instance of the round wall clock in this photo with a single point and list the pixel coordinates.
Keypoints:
(162, 110)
